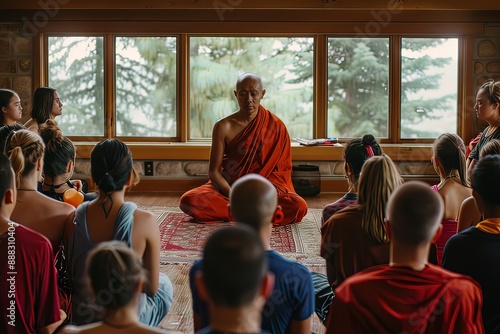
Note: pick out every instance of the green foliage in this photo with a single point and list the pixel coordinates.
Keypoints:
(145, 85)
(76, 72)
(358, 78)
(146, 91)
(216, 63)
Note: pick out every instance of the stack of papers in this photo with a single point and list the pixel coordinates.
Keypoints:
(317, 142)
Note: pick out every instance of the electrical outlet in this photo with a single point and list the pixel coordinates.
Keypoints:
(148, 168)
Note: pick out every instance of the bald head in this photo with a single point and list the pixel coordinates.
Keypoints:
(253, 201)
(414, 212)
(248, 77)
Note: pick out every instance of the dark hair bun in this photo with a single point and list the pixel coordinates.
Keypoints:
(368, 140)
(107, 184)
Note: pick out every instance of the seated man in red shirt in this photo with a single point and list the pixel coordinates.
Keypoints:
(30, 301)
(409, 295)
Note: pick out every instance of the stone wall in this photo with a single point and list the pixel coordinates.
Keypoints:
(16, 63)
(199, 168)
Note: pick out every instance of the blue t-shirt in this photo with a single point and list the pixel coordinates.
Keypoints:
(292, 298)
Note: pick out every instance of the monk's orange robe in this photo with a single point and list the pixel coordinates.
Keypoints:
(386, 299)
(263, 147)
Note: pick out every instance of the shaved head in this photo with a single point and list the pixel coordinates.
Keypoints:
(414, 212)
(253, 200)
(248, 76)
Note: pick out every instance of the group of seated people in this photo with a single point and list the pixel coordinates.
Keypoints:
(400, 256)
(51, 287)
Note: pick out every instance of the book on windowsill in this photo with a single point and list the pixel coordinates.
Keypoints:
(318, 142)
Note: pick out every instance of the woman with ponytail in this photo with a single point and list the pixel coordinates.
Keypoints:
(356, 152)
(44, 215)
(109, 217)
(450, 164)
(355, 238)
(113, 263)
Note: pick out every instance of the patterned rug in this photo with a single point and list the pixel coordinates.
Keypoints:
(182, 240)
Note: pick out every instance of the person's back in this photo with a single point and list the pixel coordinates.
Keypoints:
(292, 298)
(234, 281)
(450, 164)
(405, 301)
(476, 250)
(355, 153)
(109, 217)
(354, 238)
(30, 301)
(408, 295)
(33, 209)
(58, 167)
(114, 264)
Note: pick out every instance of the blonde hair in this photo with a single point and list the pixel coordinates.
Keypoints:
(24, 148)
(378, 179)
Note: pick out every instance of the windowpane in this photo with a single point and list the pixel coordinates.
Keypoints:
(76, 72)
(358, 81)
(146, 86)
(285, 66)
(429, 72)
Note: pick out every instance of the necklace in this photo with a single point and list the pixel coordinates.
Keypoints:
(491, 130)
(119, 326)
(446, 179)
(26, 189)
(56, 186)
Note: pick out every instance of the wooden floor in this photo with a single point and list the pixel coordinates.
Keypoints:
(172, 199)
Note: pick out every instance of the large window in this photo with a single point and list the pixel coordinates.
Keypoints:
(76, 71)
(429, 76)
(285, 66)
(358, 87)
(145, 95)
(174, 88)
(146, 86)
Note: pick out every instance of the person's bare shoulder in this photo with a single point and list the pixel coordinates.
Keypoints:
(144, 217)
(31, 125)
(226, 123)
(228, 127)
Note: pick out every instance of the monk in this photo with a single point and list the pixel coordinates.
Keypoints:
(409, 295)
(251, 140)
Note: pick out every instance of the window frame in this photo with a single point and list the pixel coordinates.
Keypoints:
(317, 30)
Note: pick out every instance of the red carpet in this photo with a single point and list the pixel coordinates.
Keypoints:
(178, 233)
